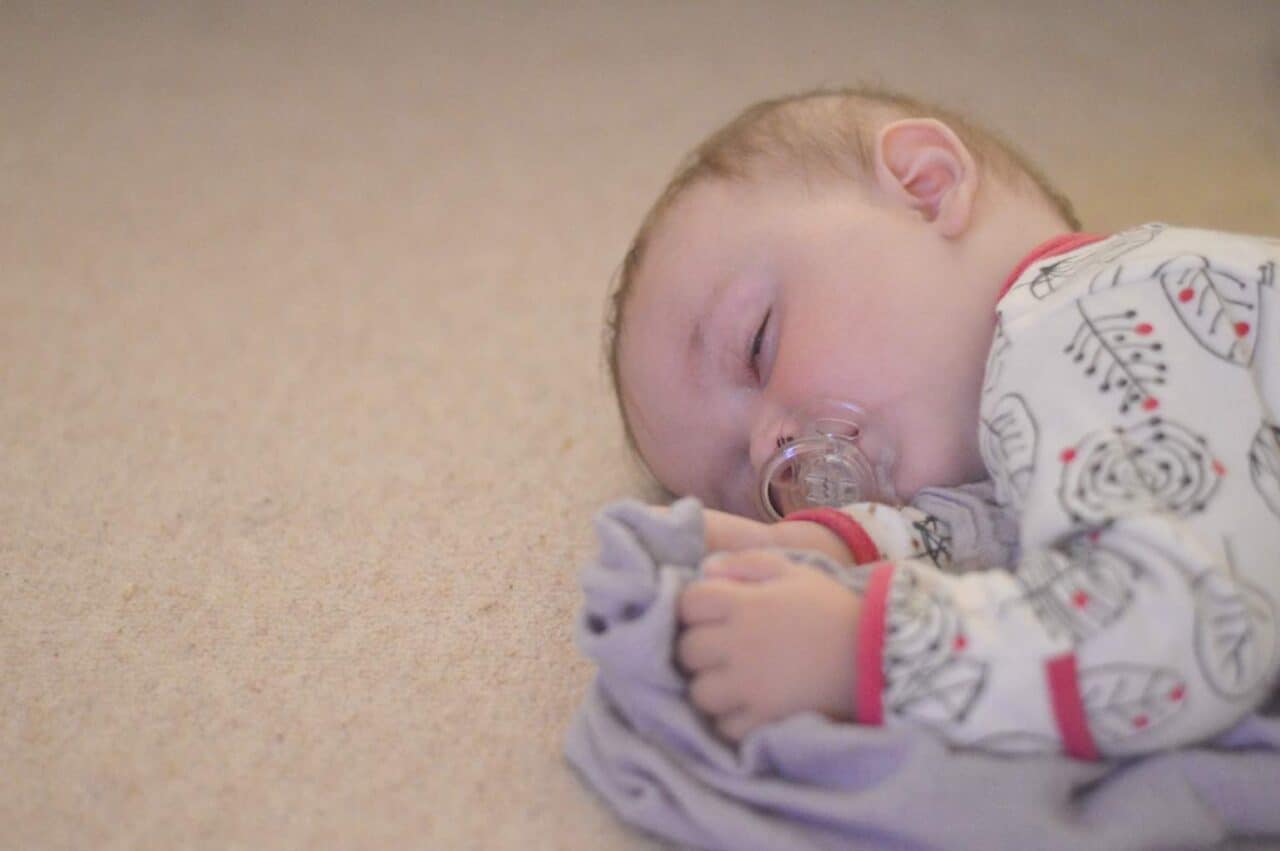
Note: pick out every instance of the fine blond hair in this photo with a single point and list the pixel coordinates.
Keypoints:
(826, 131)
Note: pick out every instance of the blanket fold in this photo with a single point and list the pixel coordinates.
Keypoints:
(809, 783)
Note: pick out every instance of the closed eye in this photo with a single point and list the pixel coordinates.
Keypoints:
(757, 345)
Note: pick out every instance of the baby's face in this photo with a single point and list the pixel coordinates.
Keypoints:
(755, 299)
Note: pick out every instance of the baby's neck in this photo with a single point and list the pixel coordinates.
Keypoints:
(1010, 226)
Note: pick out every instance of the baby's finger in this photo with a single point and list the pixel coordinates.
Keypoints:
(734, 726)
(714, 693)
(730, 532)
(705, 602)
(702, 648)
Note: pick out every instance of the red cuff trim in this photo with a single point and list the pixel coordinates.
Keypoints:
(861, 546)
(868, 697)
(1068, 708)
(1045, 250)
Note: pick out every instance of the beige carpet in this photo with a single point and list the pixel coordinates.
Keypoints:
(302, 419)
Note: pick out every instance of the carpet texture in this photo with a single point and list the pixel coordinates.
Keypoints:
(302, 414)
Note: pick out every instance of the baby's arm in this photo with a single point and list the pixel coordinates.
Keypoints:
(765, 637)
(730, 533)
(955, 529)
(1133, 638)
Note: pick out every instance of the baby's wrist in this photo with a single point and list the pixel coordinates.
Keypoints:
(859, 545)
(802, 531)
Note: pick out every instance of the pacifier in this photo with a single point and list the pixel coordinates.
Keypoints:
(838, 456)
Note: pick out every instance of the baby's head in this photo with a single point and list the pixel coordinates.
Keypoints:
(844, 245)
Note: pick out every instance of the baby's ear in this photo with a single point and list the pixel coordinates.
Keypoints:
(922, 163)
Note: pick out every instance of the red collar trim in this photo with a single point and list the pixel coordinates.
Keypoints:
(1049, 248)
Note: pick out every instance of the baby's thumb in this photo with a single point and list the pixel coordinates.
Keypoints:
(743, 567)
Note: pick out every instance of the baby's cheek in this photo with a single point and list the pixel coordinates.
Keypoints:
(803, 373)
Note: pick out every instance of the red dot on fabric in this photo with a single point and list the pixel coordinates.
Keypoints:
(1144, 328)
(1242, 329)
(1141, 721)
(1080, 599)
(1177, 693)
(1095, 535)
(1219, 468)
(1151, 403)
(1187, 294)
(960, 643)
(1068, 455)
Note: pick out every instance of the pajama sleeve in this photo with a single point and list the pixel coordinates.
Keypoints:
(954, 529)
(1128, 422)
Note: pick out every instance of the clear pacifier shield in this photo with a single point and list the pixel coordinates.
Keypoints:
(826, 465)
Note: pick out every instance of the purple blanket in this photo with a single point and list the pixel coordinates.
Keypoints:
(809, 783)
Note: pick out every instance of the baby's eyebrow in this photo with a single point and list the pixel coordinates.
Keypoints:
(696, 350)
(697, 345)
(697, 339)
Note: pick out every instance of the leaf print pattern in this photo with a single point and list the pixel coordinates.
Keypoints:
(1123, 700)
(1008, 444)
(928, 677)
(1219, 309)
(1118, 348)
(1235, 634)
(1264, 465)
(1079, 592)
(932, 539)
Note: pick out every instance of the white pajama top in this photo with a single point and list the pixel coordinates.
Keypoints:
(1122, 596)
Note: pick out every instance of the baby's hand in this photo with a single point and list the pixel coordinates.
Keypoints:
(729, 532)
(765, 638)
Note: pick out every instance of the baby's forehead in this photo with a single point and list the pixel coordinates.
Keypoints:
(717, 213)
(703, 226)
(692, 253)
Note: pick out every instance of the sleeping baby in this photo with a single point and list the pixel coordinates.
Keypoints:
(848, 301)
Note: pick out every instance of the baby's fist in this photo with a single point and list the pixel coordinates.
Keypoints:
(765, 638)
